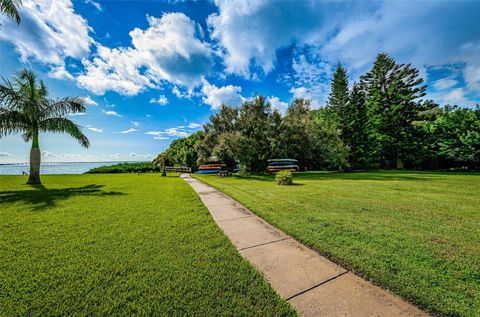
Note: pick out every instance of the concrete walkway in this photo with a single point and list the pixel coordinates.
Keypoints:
(314, 285)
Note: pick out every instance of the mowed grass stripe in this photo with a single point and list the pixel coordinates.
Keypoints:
(120, 245)
(415, 233)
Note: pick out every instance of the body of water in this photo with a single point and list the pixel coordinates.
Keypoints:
(54, 168)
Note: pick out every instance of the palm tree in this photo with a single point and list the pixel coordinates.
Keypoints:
(9, 8)
(25, 108)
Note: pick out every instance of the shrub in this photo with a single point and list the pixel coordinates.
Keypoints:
(284, 178)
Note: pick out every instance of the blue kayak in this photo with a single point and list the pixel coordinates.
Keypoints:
(210, 171)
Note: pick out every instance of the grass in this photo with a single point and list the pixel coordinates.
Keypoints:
(417, 234)
(120, 245)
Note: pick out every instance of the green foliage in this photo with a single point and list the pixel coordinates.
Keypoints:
(284, 178)
(415, 233)
(182, 152)
(121, 245)
(133, 167)
(456, 135)
(10, 9)
(381, 122)
(339, 96)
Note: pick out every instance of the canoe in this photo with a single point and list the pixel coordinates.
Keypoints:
(209, 171)
(285, 167)
(211, 166)
(282, 160)
(282, 163)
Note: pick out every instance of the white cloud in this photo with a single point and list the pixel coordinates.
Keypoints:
(49, 32)
(135, 123)
(59, 72)
(160, 137)
(133, 154)
(174, 132)
(167, 50)
(455, 96)
(131, 130)
(444, 83)
(95, 4)
(162, 100)
(194, 125)
(5, 154)
(77, 114)
(111, 113)
(277, 104)
(89, 101)
(98, 130)
(216, 96)
(472, 77)
(186, 93)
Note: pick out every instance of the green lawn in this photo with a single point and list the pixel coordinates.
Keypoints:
(120, 245)
(417, 234)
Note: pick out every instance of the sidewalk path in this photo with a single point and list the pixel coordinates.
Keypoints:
(314, 285)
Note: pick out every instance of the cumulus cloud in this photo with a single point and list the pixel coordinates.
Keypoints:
(50, 31)
(89, 101)
(249, 32)
(162, 100)
(455, 96)
(278, 104)
(59, 72)
(168, 49)
(216, 96)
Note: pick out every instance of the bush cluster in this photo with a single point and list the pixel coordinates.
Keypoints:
(137, 167)
(284, 178)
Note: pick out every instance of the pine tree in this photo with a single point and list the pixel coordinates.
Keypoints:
(392, 93)
(338, 98)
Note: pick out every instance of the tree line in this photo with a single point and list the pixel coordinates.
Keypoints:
(379, 122)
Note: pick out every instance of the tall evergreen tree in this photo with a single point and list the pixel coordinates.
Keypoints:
(392, 93)
(338, 98)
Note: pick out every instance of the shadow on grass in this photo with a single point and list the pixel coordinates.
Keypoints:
(41, 197)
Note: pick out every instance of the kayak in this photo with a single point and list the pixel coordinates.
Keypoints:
(282, 160)
(282, 163)
(208, 171)
(211, 166)
(280, 167)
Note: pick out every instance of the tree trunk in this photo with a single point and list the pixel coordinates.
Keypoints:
(35, 156)
(399, 163)
(34, 178)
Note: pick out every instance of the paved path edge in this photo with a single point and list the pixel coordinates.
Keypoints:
(314, 285)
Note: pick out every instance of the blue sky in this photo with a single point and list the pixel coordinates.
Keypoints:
(153, 71)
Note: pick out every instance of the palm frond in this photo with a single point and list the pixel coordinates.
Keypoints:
(64, 125)
(10, 8)
(64, 106)
(12, 121)
(9, 96)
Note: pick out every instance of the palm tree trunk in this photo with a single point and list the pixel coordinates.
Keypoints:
(35, 156)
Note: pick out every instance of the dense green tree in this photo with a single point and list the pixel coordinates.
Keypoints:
(457, 137)
(25, 108)
(392, 92)
(218, 139)
(254, 126)
(182, 152)
(339, 96)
